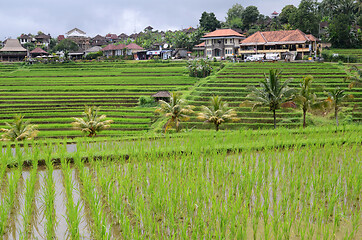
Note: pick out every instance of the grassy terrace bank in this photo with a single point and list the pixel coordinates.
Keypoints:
(263, 184)
(49, 95)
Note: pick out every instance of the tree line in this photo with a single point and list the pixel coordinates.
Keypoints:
(341, 20)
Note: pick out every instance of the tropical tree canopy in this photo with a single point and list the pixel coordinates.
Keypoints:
(19, 130)
(176, 110)
(272, 92)
(91, 122)
(217, 113)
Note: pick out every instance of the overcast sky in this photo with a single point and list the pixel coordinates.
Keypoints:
(115, 16)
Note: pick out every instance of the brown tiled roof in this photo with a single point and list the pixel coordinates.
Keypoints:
(112, 36)
(39, 50)
(223, 33)
(312, 38)
(42, 36)
(111, 47)
(134, 46)
(24, 36)
(162, 94)
(281, 37)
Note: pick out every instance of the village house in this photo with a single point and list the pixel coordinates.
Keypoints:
(79, 37)
(38, 52)
(136, 51)
(99, 41)
(111, 37)
(280, 43)
(112, 50)
(222, 43)
(25, 38)
(42, 39)
(12, 51)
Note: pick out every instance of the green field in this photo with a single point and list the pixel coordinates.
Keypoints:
(49, 95)
(261, 184)
(357, 53)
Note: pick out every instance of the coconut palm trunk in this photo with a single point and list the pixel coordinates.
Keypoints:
(304, 118)
(275, 119)
(336, 114)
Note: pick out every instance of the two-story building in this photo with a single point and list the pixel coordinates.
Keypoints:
(222, 43)
(280, 43)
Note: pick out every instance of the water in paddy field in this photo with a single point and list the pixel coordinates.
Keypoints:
(15, 226)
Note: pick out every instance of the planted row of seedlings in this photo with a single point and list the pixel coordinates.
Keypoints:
(309, 188)
(234, 81)
(57, 92)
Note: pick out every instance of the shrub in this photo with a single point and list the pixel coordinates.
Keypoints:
(199, 68)
(146, 101)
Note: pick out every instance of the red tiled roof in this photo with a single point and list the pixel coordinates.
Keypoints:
(275, 13)
(61, 37)
(39, 50)
(288, 36)
(134, 46)
(223, 33)
(200, 45)
(312, 38)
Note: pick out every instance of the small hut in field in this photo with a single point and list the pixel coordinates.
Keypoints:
(38, 52)
(162, 95)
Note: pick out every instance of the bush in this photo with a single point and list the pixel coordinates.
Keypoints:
(330, 57)
(94, 55)
(146, 101)
(199, 68)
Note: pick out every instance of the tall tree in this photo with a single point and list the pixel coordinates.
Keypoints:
(209, 22)
(66, 45)
(288, 14)
(217, 113)
(307, 17)
(249, 16)
(272, 93)
(341, 32)
(234, 15)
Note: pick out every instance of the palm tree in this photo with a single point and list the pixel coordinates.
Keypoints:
(176, 110)
(335, 98)
(355, 77)
(217, 113)
(306, 98)
(19, 130)
(92, 122)
(272, 93)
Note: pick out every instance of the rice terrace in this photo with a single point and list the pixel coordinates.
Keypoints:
(146, 177)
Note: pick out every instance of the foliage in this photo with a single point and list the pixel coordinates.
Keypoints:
(19, 129)
(307, 18)
(176, 110)
(249, 16)
(272, 92)
(335, 98)
(146, 101)
(356, 77)
(66, 45)
(305, 98)
(234, 15)
(92, 123)
(199, 68)
(341, 33)
(209, 22)
(288, 14)
(217, 113)
(329, 56)
(94, 55)
(30, 46)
